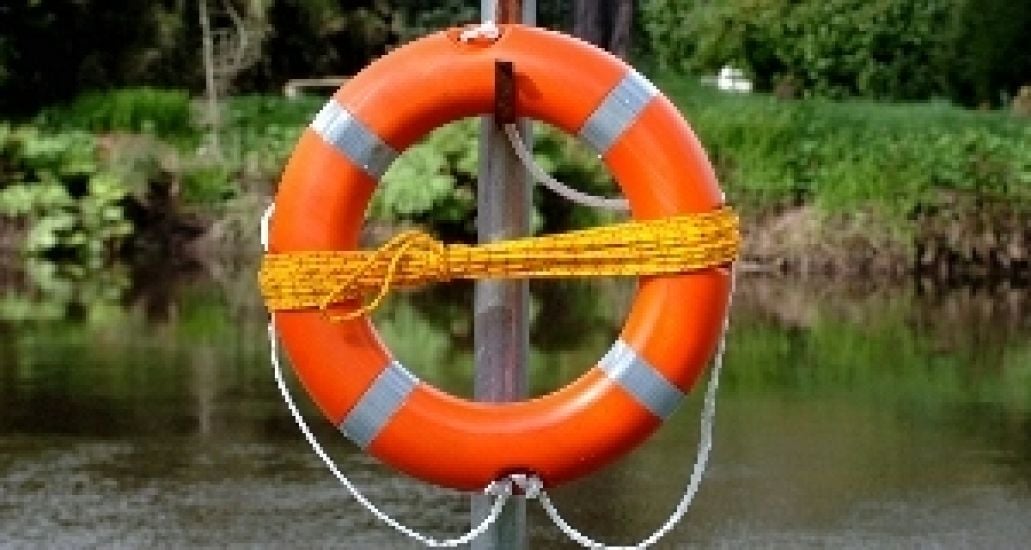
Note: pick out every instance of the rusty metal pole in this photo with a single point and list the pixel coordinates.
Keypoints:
(501, 324)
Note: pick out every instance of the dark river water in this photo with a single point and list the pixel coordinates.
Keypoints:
(141, 415)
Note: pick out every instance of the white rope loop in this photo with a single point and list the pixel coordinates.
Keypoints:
(707, 422)
(557, 187)
(266, 219)
(501, 490)
(486, 30)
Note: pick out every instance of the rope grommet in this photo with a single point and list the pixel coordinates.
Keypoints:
(530, 485)
(499, 488)
(487, 30)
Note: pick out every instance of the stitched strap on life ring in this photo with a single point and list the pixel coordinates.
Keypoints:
(320, 279)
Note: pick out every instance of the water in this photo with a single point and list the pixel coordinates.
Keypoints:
(848, 417)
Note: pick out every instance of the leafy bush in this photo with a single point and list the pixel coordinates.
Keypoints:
(422, 17)
(261, 131)
(834, 48)
(839, 155)
(149, 110)
(842, 155)
(989, 50)
(69, 206)
(671, 28)
(207, 184)
(434, 181)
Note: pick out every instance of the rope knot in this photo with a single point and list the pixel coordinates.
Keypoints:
(406, 248)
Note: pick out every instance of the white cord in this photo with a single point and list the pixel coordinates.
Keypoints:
(266, 218)
(557, 187)
(487, 30)
(701, 460)
(502, 490)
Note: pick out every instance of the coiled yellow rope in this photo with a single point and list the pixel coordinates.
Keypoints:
(306, 280)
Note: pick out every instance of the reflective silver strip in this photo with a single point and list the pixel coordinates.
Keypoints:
(617, 111)
(623, 365)
(383, 398)
(349, 136)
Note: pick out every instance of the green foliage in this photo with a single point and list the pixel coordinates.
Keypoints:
(434, 181)
(149, 110)
(969, 49)
(988, 51)
(844, 155)
(898, 49)
(251, 112)
(54, 187)
(207, 184)
(53, 51)
(672, 29)
(420, 17)
(575, 164)
(261, 131)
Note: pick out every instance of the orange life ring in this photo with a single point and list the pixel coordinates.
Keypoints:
(672, 328)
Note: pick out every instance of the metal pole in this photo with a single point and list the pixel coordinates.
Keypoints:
(501, 324)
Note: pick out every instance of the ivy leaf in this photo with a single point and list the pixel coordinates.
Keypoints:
(17, 200)
(45, 234)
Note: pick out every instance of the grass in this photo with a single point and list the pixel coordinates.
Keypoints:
(893, 157)
(135, 110)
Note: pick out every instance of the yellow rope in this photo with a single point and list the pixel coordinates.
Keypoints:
(306, 280)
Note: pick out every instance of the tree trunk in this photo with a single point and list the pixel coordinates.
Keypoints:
(587, 20)
(622, 22)
(604, 23)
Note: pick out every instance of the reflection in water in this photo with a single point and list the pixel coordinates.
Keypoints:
(848, 417)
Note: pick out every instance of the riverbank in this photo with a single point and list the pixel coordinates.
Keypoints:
(831, 188)
(960, 240)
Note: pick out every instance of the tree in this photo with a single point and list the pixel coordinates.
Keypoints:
(51, 51)
(605, 23)
(989, 55)
(882, 49)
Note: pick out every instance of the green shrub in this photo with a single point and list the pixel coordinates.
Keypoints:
(988, 57)
(67, 203)
(207, 185)
(147, 110)
(833, 48)
(260, 133)
(434, 181)
(843, 155)
(892, 157)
